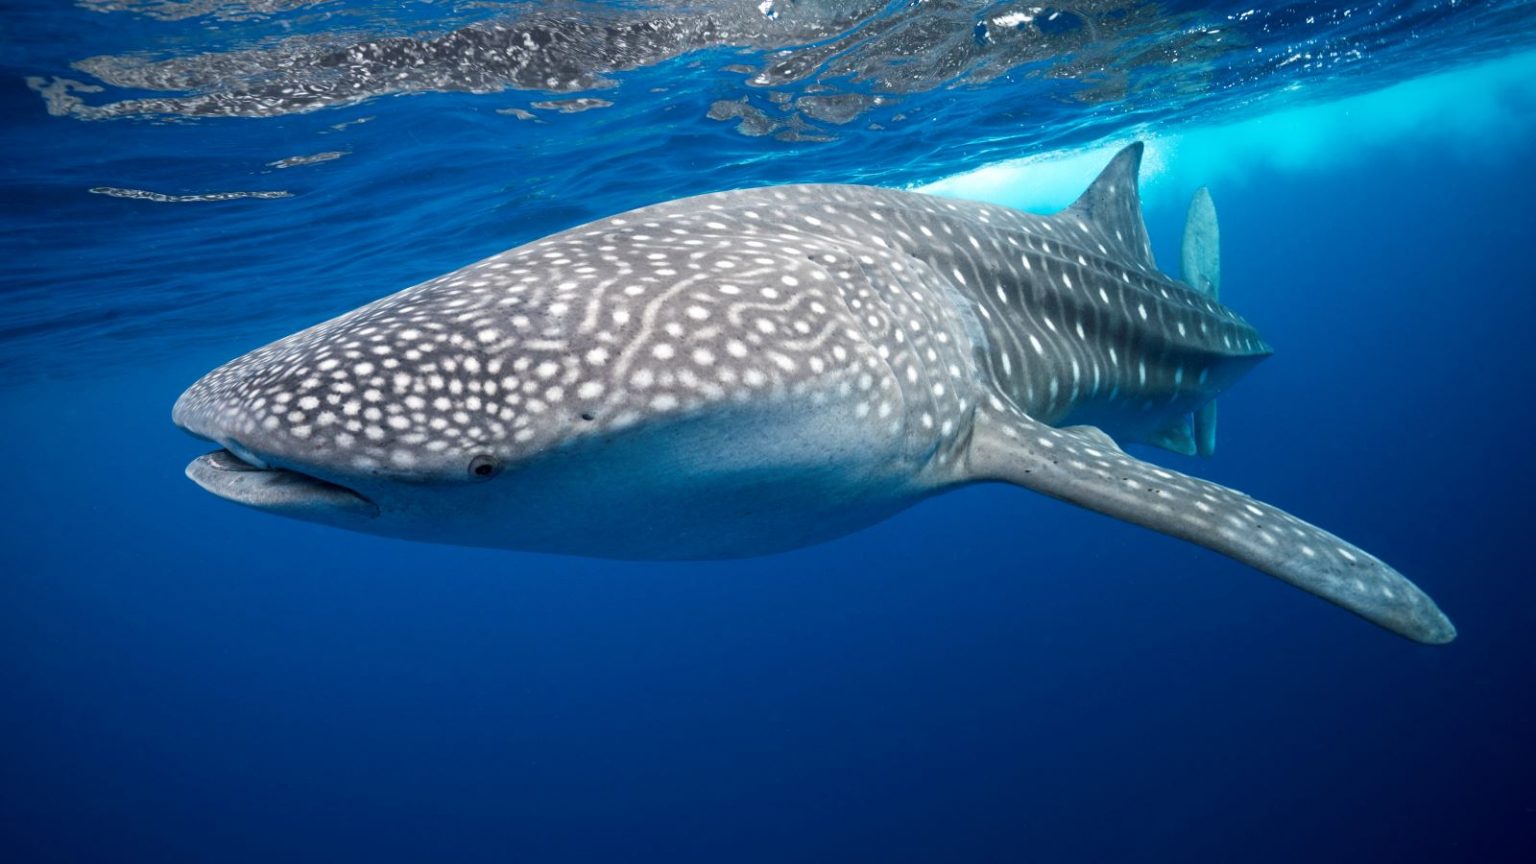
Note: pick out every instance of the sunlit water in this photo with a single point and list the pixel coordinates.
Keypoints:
(991, 676)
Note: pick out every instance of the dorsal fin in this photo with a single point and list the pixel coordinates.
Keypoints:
(1113, 205)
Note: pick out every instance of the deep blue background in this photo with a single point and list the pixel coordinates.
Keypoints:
(990, 676)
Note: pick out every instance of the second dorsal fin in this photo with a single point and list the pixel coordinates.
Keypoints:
(1112, 205)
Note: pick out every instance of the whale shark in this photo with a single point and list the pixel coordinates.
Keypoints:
(745, 372)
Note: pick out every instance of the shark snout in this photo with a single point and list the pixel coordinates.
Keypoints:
(206, 413)
(252, 468)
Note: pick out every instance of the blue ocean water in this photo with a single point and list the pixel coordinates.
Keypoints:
(989, 676)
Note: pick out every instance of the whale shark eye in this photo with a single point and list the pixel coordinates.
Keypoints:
(483, 467)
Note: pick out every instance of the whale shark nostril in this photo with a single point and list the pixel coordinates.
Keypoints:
(245, 455)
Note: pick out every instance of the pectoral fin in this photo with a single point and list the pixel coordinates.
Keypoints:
(1083, 466)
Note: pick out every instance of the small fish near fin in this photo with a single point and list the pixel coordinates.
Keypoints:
(1112, 204)
(1200, 262)
(1078, 466)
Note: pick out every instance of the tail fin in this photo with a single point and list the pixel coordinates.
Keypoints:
(1200, 256)
(1200, 259)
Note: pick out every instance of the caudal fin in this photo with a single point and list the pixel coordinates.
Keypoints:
(1200, 262)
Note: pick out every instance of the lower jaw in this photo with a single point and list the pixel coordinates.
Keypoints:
(279, 490)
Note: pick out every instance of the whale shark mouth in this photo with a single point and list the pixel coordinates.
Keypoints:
(278, 490)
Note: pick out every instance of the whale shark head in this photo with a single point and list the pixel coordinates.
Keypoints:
(396, 418)
(314, 426)
(501, 405)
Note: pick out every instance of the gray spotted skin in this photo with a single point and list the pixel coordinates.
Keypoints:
(767, 310)
(664, 311)
(752, 371)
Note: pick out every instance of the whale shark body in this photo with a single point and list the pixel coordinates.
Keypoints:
(746, 372)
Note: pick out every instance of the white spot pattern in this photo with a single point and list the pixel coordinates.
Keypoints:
(878, 301)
